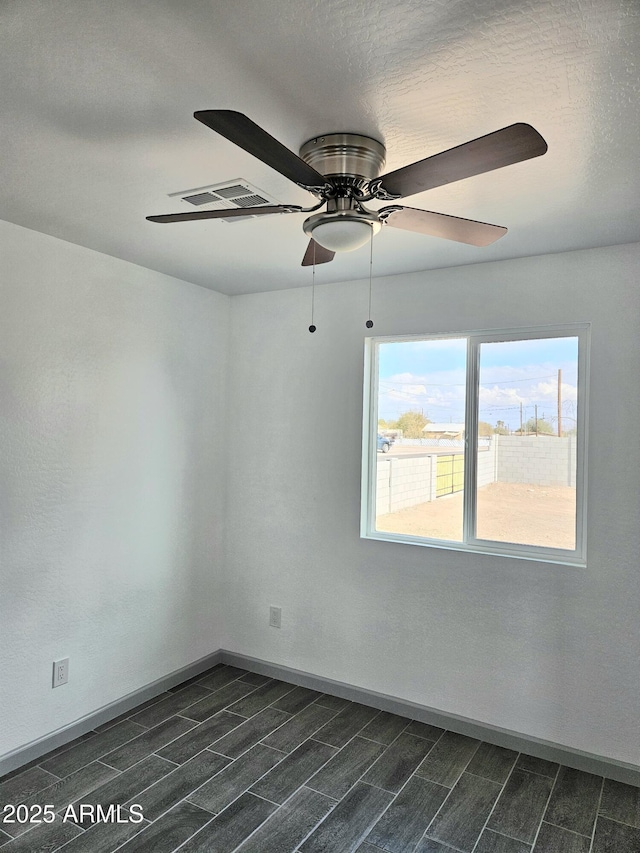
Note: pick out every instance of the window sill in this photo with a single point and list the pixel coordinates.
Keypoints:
(491, 549)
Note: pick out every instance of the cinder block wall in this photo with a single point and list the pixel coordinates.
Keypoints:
(487, 463)
(404, 482)
(539, 460)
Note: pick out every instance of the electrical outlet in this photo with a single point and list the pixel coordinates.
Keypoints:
(275, 617)
(60, 672)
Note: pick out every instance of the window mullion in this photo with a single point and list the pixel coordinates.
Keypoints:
(368, 439)
(471, 441)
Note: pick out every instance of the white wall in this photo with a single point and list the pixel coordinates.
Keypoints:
(546, 650)
(112, 478)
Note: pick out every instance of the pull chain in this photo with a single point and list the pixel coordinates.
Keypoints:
(369, 323)
(312, 328)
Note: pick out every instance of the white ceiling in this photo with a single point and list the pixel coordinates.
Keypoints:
(97, 127)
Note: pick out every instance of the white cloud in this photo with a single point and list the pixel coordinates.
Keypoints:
(440, 394)
(501, 396)
(428, 393)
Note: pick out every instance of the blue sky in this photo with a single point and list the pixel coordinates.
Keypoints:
(429, 376)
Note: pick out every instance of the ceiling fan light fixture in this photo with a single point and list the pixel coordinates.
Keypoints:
(341, 232)
(342, 236)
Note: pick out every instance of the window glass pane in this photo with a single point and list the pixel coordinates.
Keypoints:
(419, 449)
(527, 438)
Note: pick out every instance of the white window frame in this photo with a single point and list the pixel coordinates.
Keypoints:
(470, 542)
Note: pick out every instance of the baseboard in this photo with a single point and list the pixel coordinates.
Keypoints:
(31, 751)
(591, 763)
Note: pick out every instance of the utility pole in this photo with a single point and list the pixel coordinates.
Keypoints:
(536, 420)
(520, 420)
(559, 403)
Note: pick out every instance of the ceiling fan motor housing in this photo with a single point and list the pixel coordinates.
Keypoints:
(345, 154)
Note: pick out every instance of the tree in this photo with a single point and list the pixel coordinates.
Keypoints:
(501, 428)
(544, 427)
(484, 428)
(412, 424)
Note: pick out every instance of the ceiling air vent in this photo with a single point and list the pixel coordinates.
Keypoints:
(235, 193)
(200, 198)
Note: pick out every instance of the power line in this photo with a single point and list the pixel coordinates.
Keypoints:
(417, 381)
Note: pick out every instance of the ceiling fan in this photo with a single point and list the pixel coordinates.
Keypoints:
(342, 171)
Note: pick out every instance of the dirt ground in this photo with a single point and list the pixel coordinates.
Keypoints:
(507, 512)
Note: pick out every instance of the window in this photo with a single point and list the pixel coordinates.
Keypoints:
(476, 441)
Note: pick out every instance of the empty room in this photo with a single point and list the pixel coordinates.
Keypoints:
(319, 489)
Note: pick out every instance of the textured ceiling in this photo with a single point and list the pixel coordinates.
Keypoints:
(97, 127)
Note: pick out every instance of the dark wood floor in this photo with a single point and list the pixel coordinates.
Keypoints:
(233, 761)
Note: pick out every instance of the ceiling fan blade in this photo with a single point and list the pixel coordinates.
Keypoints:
(225, 214)
(239, 129)
(442, 225)
(501, 148)
(322, 255)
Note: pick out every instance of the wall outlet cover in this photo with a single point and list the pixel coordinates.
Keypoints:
(275, 617)
(60, 672)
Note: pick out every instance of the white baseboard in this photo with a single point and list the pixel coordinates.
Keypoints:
(33, 750)
(591, 763)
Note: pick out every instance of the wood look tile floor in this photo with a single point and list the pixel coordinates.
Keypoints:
(235, 761)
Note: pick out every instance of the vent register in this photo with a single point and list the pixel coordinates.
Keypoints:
(236, 193)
